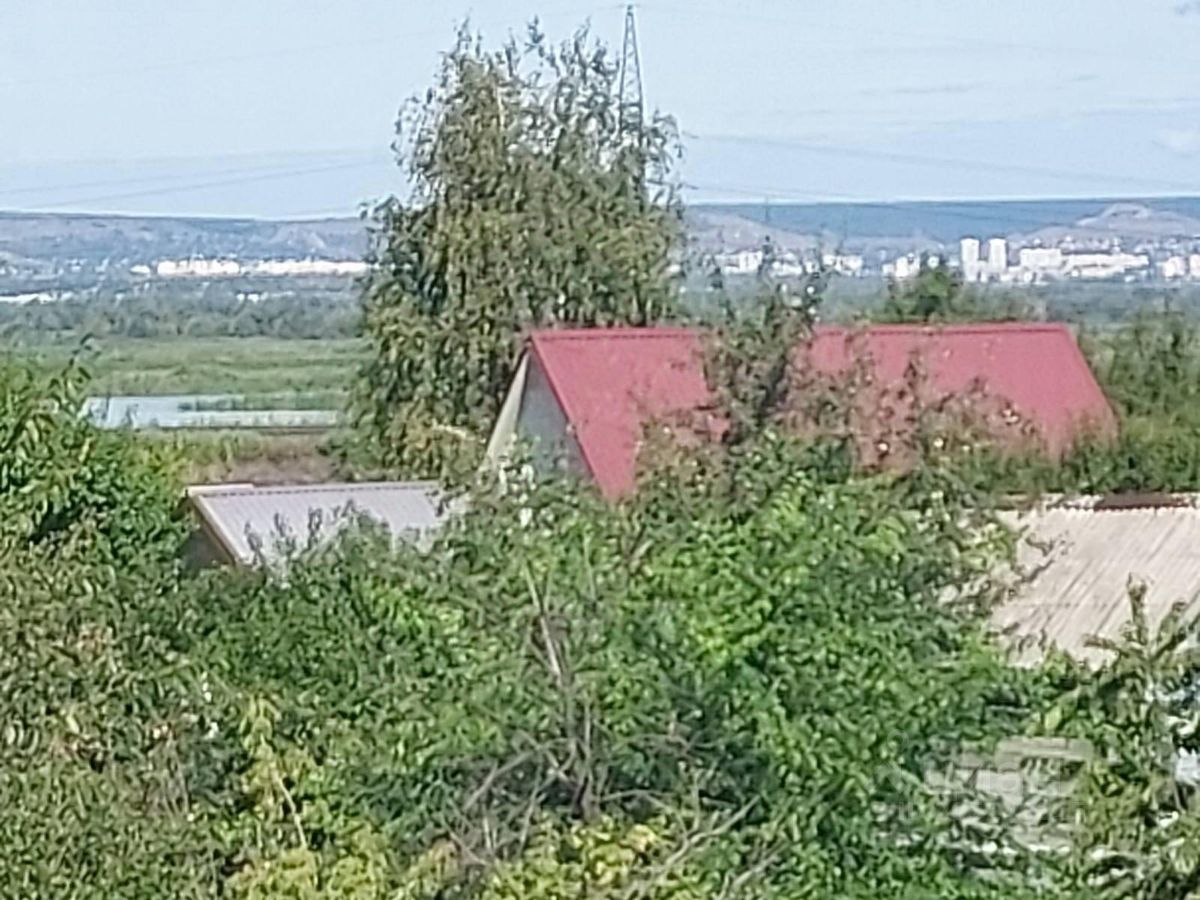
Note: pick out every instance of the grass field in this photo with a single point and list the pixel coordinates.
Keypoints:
(209, 365)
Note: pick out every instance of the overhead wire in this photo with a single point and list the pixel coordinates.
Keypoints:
(44, 189)
(281, 174)
(942, 162)
(234, 177)
(843, 203)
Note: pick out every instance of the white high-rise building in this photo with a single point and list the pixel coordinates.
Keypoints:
(997, 261)
(968, 251)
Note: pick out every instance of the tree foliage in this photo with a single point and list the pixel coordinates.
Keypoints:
(528, 207)
(1135, 807)
(675, 697)
(306, 311)
(937, 293)
(97, 735)
(1149, 372)
(738, 683)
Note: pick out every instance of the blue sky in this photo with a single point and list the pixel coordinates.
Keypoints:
(285, 107)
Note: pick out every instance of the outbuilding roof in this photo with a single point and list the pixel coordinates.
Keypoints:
(249, 523)
(611, 382)
(1083, 556)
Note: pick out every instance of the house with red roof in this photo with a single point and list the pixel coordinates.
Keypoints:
(582, 398)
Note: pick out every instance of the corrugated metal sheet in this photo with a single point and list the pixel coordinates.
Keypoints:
(242, 517)
(169, 412)
(610, 382)
(1083, 557)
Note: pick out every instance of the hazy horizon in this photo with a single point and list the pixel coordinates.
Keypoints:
(285, 108)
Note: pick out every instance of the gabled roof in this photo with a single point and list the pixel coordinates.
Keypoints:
(242, 518)
(1083, 555)
(610, 382)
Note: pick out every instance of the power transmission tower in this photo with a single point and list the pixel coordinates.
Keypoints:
(632, 103)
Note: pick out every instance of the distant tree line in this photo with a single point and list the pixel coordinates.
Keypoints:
(307, 311)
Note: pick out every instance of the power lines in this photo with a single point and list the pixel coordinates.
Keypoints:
(958, 210)
(943, 162)
(149, 179)
(276, 174)
(119, 189)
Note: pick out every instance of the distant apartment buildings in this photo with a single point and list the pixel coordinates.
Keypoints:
(1038, 264)
(232, 268)
(978, 268)
(1175, 268)
(788, 264)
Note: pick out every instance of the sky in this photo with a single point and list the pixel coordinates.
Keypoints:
(285, 108)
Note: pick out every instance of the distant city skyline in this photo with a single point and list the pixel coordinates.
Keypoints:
(282, 108)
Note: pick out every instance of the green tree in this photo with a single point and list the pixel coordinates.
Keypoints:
(1137, 818)
(529, 207)
(938, 294)
(103, 726)
(1152, 367)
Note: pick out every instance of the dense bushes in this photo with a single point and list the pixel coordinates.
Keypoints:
(725, 686)
(674, 697)
(66, 488)
(98, 740)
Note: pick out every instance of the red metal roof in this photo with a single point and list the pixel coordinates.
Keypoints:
(610, 382)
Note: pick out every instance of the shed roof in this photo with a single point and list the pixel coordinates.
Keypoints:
(1085, 554)
(610, 382)
(242, 517)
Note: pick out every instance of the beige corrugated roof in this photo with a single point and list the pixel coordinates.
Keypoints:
(1084, 557)
(244, 517)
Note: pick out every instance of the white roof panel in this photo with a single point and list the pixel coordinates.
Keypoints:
(1084, 558)
(243, 517)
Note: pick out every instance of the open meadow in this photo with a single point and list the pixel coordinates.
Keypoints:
(215, 365)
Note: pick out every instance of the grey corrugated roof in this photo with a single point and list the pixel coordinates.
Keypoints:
(242, 516)
(1086, 555)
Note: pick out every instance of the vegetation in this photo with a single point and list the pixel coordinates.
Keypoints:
(699, 692)
(745, 681)
(206, 366)
(309, 310)
(210, 456)
(939, 294)
(532, 204)
(560, 690)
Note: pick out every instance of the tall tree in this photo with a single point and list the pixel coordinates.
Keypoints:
(936, 294)
(529, 206)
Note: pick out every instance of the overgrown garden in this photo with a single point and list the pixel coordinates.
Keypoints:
(740, 682)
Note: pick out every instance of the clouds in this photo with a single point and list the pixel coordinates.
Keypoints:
(1188, 8)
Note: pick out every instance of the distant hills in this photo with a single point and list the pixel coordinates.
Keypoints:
(47, 247)
(1128, 221)
(131, 240)
(945, 222)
